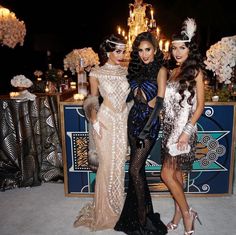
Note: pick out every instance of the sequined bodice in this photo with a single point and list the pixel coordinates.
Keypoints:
(172, 97)
(113, 84)
(174, 113)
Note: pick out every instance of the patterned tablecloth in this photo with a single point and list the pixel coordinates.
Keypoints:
(30, 143)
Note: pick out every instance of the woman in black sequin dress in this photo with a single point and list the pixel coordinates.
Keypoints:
(147, 80)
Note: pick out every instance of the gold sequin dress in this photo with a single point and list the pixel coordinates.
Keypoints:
(106, 207)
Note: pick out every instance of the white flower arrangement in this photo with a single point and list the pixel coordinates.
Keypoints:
(221, 58)
(38, 73)
(21, 81)
(12, 31)
(72, 60)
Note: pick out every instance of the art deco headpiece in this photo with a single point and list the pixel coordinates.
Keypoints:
(118, 44)
(188, 29)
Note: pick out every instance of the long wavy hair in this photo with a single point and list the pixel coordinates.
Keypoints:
(139, 71)
(190, 68)
(107, 46)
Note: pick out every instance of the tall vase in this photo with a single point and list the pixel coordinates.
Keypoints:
(82, 82)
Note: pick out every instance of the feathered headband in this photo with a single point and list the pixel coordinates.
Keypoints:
(189, 29)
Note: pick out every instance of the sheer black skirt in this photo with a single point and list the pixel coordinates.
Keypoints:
(137, 216)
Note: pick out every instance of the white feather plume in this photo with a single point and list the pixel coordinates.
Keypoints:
(189, 28)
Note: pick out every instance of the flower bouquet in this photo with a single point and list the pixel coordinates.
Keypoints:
(221, 59)
(22, 84)
(12, 31)
(72, 60)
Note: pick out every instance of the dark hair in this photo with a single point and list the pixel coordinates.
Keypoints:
(190, 67)
(136, 66)
(107, 46)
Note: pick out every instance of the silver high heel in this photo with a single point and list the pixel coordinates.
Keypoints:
(171, 226)
(195, 216)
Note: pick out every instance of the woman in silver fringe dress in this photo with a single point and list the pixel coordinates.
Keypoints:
(109, 123)
(183, 106)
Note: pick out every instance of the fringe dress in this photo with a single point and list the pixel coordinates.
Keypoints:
(175, 117)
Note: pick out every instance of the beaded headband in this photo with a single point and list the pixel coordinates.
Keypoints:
(118, 44)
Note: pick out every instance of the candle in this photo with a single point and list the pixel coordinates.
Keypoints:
(46, 89)
(119, 30)
(123, 33)
(152, 14)
(167, 44)
(131, 14)
(78, 96)
(161, 45)
(14, 94)
(158, 31)
(73, 85)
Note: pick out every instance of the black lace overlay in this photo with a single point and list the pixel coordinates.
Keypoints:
(137, 216)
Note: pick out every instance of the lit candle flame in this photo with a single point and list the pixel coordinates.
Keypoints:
(167, 44)
(119, 30)
(161, 45)
(152, 14)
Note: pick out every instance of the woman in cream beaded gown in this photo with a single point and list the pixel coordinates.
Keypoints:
(109, 123)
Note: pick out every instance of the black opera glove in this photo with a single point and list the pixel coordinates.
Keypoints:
(140, 143)
(154, 115)
(130, 96)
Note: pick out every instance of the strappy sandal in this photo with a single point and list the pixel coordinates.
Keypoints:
(171, 226)
(194, 216)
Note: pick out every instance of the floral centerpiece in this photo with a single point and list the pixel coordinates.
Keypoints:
(20, 81)
(72, 60)
(221, 59)
(22, 84)
(12, 31)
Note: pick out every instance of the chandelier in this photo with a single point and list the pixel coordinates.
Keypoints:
(12, 31)
(139, 22)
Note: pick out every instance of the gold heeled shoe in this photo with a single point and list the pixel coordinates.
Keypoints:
(194, 216)
(171, 226)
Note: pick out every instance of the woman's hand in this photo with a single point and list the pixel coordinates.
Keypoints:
(97, 128)
(183, 141)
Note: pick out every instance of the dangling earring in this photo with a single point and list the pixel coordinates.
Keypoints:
(108, 54)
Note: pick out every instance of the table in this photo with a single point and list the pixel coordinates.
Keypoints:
(213, 168)
(30, 142)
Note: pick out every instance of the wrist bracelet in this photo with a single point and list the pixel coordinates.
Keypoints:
(188, 128)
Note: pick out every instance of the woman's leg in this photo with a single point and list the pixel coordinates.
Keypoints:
(137, 174)
(171, 178)
(178, 215)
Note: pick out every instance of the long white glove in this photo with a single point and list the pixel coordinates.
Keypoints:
(97, 128)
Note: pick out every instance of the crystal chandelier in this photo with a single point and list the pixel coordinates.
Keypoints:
(12, 31)
(139, 22)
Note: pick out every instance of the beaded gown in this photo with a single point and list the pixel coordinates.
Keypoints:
(175, 117)
(137, 216)
(111, 148)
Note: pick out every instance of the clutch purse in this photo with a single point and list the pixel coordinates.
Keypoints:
(173, 151)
